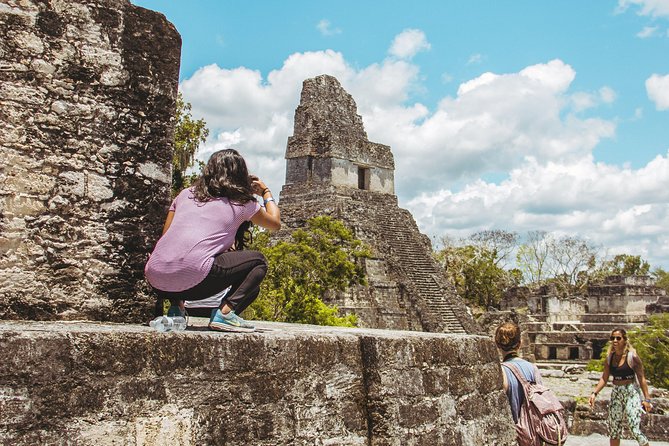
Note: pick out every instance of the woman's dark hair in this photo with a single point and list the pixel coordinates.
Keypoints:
(244, 236)
(507, 336)
(225, 175)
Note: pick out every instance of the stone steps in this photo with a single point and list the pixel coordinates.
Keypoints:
(421, 269)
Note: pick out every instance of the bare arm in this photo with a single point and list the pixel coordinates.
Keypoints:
(641, 376)
(505, 382)
(601, 384)
(168, 221)
(268, 217)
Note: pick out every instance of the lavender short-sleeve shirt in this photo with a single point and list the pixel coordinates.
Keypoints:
(199, 231)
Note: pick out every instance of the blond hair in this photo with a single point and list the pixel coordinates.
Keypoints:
(628, 345)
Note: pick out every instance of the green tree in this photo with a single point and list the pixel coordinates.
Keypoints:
(474, 271)
(652, 344)
(571, 261)
(624, 265)
(188, 135)
(661, 279)
(322, 258)
(532, 257)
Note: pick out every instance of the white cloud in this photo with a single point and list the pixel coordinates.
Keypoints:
(408, 43)
(522, 127)
(609, 205)
(475, 59)
(583, 101)
(653, 8)
(648, 31)
(607, 95)
(325, 28)
(657, 87)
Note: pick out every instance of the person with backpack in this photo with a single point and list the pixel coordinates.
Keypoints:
(624, 365)
(537, 414)
(200, 253)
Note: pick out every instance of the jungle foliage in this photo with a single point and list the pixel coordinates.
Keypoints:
(323, 257)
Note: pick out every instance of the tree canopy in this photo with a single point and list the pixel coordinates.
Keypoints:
(474, 266)
(324, 257)
(652, 344)
(188, 135)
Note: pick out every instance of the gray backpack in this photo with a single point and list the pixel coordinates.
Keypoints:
(541, 420)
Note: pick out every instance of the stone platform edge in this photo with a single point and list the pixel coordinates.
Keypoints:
(116, 384)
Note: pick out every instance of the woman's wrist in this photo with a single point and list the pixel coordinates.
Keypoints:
(265, 191)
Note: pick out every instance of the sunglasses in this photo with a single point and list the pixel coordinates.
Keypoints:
(616, 338)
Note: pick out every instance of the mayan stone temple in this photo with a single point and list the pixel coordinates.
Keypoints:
(333, 169)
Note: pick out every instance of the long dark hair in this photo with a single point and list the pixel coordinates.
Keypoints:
(225, 175)
(244, 236)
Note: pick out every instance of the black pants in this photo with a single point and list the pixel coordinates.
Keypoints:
(241, 270)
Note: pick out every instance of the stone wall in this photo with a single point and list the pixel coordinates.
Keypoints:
(108, 384)
(87, 96)
(577, 327)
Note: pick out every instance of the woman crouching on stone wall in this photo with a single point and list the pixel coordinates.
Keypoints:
(624, 365)
(200, 252)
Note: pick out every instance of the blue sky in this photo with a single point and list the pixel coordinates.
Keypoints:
(516, 115)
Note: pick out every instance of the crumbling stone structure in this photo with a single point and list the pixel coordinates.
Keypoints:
(109, 384)
(333, 169)
(577, 327)
(87, 97)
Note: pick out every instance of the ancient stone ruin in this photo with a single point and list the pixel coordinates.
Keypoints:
(576, 327)
(105, 384)
(87, 94)
(333, 169)
(87, 97)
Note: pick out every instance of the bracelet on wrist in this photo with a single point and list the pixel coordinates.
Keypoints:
(646, 401)
(264, 202)
(264, 191)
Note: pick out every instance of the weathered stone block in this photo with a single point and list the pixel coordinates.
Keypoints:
(87, 97)
(112, 384)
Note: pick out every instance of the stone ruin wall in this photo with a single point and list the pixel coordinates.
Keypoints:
(97, 384)
(576, 327)
(87, 97)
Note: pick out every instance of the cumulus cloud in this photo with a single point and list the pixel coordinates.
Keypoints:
(648, 31)
(523, 128)
(408, 43)
(494, 122)
(325, 28)
(582, 100)
(657, 87)
(475, 59)
(653, 8)
(610, 205)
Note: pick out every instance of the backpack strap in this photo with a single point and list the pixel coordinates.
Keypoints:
(519, 376)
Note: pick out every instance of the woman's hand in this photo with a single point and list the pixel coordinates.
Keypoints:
(593, 396)
(647, 406)
(257, 185)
